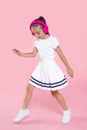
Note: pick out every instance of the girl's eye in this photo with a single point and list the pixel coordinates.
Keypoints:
(38, 33)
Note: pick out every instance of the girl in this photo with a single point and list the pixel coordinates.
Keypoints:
(47, 75)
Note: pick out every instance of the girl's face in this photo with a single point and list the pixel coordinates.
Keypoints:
(38, 32)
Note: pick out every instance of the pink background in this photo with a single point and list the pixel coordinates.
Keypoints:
(67, 20)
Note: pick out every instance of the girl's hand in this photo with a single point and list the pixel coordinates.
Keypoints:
(17, 52)
(70, 72)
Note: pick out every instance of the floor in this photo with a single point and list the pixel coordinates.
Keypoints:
(45, 113)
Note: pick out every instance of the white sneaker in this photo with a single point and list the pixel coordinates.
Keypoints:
(66, 116)
(21, 115)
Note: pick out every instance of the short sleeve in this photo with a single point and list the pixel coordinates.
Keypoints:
(36, 44)
(55, 42)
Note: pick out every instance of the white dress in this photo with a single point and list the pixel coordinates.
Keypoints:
(47, 75)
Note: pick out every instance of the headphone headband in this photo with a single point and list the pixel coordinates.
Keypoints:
(40, 23)
(37, 22)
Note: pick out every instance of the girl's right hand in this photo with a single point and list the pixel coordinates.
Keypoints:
(70, 72)
(17, 52)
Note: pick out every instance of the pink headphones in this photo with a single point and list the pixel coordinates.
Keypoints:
(45, 27)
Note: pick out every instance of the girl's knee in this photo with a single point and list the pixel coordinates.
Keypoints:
(30, 88)
(54, 93)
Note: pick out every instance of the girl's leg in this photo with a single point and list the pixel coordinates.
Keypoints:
(66, 111)
(28, 96)
(24, 112)
(59, 99)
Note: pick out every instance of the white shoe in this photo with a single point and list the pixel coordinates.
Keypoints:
(66, 116)
(21, 115)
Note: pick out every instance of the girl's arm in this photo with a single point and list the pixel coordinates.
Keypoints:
(63, 58)
(30, 54)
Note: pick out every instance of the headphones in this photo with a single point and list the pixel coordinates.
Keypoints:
(45, 27)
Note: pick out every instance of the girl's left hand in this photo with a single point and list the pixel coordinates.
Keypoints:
(70, 72)
(16, 51)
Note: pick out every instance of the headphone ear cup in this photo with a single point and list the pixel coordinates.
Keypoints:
(45, 29)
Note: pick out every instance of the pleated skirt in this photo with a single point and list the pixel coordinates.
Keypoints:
(48, 76)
